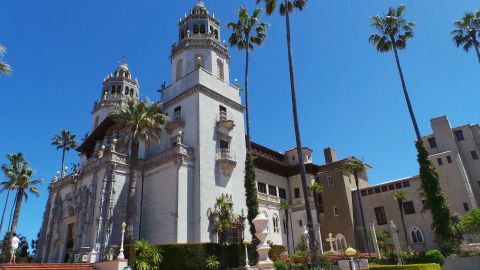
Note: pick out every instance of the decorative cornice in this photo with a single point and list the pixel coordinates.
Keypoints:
(204, 90)
(177, 153)
(198, 42)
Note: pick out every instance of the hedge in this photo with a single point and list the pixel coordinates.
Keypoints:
(193, 256)
(407, 267)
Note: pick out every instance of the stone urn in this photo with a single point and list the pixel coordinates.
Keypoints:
(261, 225)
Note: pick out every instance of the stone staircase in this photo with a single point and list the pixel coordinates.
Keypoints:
(50, 266)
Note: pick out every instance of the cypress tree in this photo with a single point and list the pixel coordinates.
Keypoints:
(251, 192)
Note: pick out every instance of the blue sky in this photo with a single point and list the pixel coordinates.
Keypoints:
(349, 95)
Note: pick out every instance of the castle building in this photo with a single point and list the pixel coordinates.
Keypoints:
(201, 157)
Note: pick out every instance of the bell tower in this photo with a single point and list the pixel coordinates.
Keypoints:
(199, 45)
(117, 87)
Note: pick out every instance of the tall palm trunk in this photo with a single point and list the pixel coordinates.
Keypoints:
(301, 165)
(400, 207)
(287, 231)
(63, 161)
(405, 92)
(18, 206)
(3, 213)
(132, 188)
(249, 146)
(359, 198)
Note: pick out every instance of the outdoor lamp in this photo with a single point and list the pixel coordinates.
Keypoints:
(350, 252)
(246, 242)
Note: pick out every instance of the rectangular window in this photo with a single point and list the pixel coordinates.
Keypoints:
(384, 188)
(224, 144)
(391, 187)
(474, 154)
(459, 135)
(321, 209)
(449, 159)
(272, 190)
(398, 185)
(223, 113)
(378, 190)
(282, 193)
(380, 215)
(300, 223)
(408, 208)
(330, 180)
(262, 188)
(465, 206)
(440, 161)
(371, 191)
(432, 142)
(177, 113)
(364, 192)
(296, 191)
(406, 184)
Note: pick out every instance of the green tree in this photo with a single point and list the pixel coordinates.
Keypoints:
(466, 31)
(139, 121)
(22, 183)
(4, 67)
(392, 33)
(283, 7)
(355, 167)
(223, 217)
(315, 189)
(285, 206)
(400, 197)
(66, 141)
(471, 223)
(147, 256)
(16, 161)
(247, 33)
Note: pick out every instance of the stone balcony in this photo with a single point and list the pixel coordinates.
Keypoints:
(265, 198)
(226, 161)
(298, 201)
(175, 124)
(225, 121)
(177, 153)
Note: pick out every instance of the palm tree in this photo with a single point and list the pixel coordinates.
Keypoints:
(316, 189)
(392, 33)
(223, 217)
(401, 196)
(4, 67)
(247, 33)
(466, 31)
(285, 206)
(140, 121)
(290, 5)
(355, 166)
(16, 161)
(66, 141)
(23, 183)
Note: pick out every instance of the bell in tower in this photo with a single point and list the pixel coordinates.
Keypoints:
(117, 87)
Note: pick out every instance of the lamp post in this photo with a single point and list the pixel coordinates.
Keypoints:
(246, 243)
(121, 256)
(350, 252)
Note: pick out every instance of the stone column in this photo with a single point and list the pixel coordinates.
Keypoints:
(375, 241)
(261, 224)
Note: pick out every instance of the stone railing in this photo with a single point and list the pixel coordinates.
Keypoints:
(173, 153)
(298, 201)
(268, 198)
(226, 154)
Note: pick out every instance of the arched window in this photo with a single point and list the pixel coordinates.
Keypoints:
(276, 228)
(179, 72)
(216, 34)
(195, 29)
(199, 60)
(127, 90)
(417, 235)
(202, 28)
(221, 73)
(182, 33)
(112, 91)
(131, 92)
(340, 241)
(211, 30)
(119, 89)
(335, 211)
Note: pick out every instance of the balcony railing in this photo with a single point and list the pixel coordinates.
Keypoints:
(226, 154)
(268, 198)
(225, 120)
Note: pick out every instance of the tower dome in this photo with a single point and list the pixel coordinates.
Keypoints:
(199, 9)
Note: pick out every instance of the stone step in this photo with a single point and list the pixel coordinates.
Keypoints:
(49, 266)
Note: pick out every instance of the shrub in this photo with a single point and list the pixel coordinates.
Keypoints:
(281, 265)
(407, 267)
(148, 257)
(212, 263)
(431, 256)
